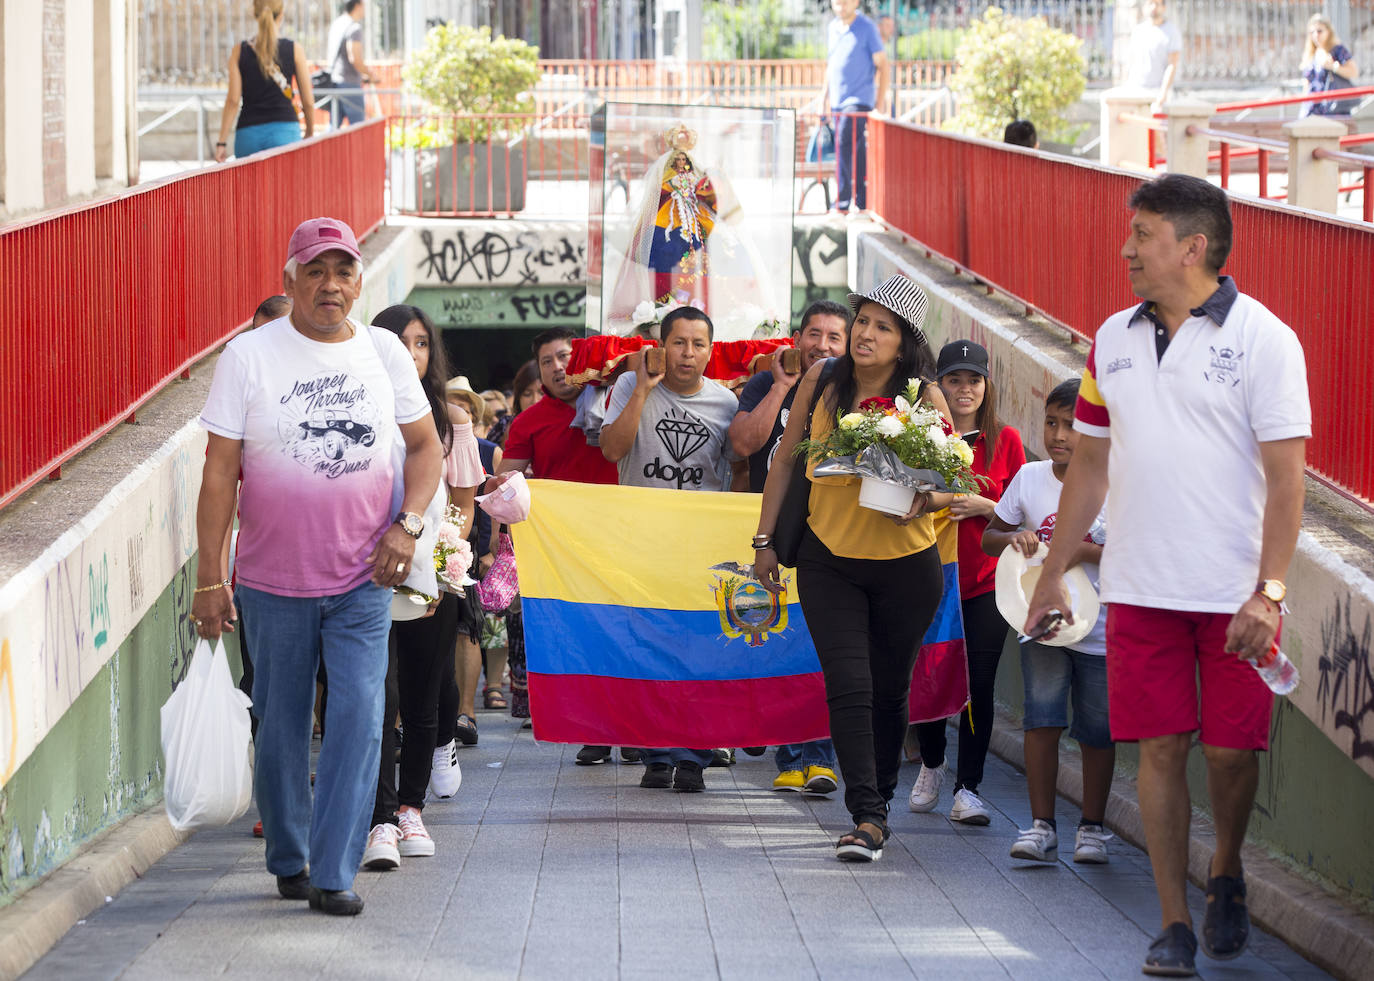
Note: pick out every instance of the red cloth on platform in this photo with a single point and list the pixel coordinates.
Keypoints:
(731, 360)
(594, 359)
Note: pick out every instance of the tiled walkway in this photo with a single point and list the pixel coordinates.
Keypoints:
(545, 869)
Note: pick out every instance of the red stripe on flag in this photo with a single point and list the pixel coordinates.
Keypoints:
(597, 711)
(939, 685)
(600, 711)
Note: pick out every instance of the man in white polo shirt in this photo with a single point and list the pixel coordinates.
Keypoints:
(1194, 409)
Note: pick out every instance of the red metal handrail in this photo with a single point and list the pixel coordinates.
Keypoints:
(1290, 100)
(1018, 219)
(105, 303)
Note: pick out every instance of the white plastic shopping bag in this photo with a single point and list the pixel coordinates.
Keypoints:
(207, 745)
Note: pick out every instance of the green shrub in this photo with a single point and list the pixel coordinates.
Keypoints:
(464, 71)
(1015, 68)
(931, 44)
(732, 32)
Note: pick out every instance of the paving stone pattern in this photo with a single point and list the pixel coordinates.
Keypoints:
(545, 869)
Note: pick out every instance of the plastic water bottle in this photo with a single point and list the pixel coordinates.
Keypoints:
(1277, 671)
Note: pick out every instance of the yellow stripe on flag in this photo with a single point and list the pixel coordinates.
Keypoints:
(631, 546)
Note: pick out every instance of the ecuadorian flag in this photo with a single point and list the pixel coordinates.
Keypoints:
(644, 625)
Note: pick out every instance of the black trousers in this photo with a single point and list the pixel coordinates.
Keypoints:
(420, 653)
(984, 634)
(867, 618)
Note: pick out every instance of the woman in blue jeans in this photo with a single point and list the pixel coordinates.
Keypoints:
(261, 77)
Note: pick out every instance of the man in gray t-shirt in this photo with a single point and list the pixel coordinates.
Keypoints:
(672, 430)
(346, 67)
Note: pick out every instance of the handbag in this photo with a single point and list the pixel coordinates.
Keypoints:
(796, 501)
(820, 146)
(499, 586)
(1334, 83)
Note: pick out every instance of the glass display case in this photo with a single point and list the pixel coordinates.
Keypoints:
(690, 205)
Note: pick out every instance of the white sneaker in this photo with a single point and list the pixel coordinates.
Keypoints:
(969, 808)
(415, 840)
(445, 776)
(925, 792)
(1090, 844)
(381, 854)
(1039, 843)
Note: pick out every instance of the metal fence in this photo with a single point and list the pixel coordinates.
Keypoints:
(1225, 41)
(1321, 287)
(128, 292)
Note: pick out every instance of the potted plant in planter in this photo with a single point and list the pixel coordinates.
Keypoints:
(466, 154)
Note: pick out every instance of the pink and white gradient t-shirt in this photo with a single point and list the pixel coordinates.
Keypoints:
(317, 421)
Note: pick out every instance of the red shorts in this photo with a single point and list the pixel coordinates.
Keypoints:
(1168, 672)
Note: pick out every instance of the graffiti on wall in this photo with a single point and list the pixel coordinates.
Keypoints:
(511, 255)
(821, 259)
(1345, 679)
(142, 533)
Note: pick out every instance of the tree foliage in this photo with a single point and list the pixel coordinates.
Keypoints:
(464, 70)
(1015, 68)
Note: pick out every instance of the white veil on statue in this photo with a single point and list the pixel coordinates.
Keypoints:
(727, 260)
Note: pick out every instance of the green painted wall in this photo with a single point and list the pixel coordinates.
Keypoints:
(103, 760)
(1313, 804)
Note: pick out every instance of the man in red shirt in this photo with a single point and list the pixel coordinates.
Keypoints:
(543, 439)
(542, 436)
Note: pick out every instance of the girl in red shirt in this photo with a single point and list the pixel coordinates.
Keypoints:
(997, 455)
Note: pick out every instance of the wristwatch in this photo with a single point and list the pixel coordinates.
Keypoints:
(1273, 590)
(411, 523)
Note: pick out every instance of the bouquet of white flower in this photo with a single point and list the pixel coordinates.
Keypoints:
(899, 442)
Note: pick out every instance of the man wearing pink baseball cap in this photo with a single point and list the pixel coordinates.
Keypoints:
(308, 407)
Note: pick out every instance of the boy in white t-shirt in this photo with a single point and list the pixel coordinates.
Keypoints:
(1054, 676)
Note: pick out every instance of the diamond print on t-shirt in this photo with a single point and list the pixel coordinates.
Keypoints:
(681, 436)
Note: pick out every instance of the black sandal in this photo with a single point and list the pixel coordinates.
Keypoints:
(865, 848)
(493, 698)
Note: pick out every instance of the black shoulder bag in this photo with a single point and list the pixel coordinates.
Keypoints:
(796, 502)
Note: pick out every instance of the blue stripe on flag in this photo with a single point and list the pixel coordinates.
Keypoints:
(656, 645)
(949, 617)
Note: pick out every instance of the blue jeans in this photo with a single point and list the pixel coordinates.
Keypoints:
(677, 755)
(1056, 676)
(798, 756)
(851, 158)
(289, 635)
(265, 136)
(351, 107)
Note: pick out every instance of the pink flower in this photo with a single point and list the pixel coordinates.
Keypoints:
(449, 535)
(456, 567)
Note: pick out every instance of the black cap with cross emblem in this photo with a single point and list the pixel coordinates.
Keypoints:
(965, 355)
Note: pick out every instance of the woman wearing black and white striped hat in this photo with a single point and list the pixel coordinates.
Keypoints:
(869, 583)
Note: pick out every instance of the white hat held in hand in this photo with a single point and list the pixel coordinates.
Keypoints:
(1016, 579)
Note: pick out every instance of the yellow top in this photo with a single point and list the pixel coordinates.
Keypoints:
(851, 531)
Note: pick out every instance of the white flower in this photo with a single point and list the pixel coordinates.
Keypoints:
(852, 420)
(937, 435)
(903, 406)
(889, 426)
(643, 313)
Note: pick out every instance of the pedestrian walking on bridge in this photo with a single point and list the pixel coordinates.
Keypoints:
(1193, 409)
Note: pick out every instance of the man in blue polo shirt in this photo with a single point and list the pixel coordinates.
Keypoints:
(855, 82)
